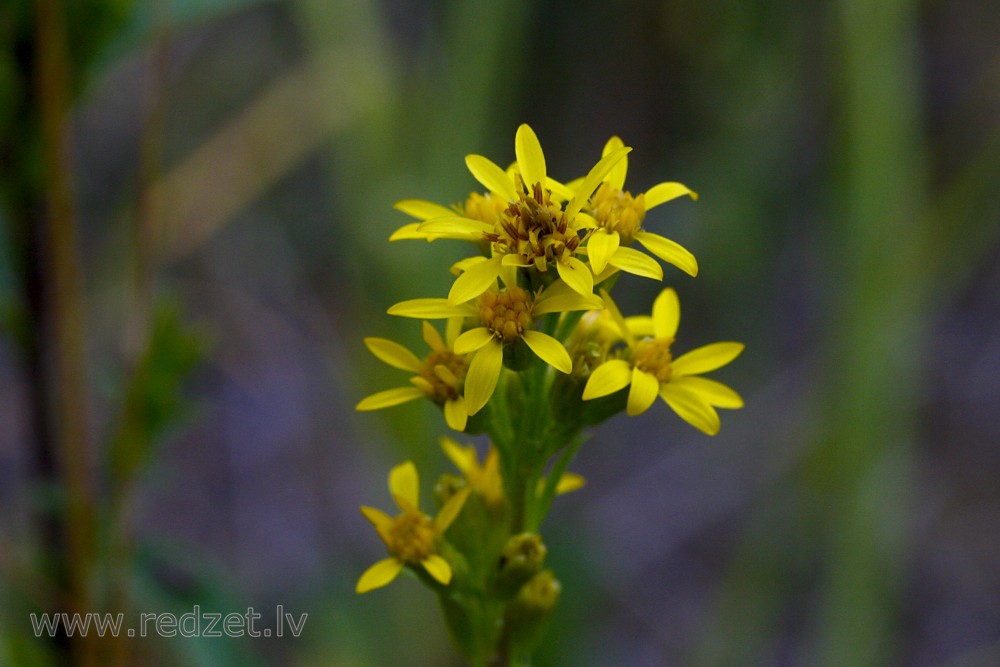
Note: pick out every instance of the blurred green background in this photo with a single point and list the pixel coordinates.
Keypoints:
(196, 204)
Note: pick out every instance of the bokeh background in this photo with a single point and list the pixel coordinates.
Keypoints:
(197, 201)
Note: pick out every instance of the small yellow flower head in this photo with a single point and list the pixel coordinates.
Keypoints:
(440, 376)
(618, 211)
(534, 229)
(484, 479)
(652, 356)
(410, 537)
(617, 222)
(507, 314)
(647, 366)
(488, 208)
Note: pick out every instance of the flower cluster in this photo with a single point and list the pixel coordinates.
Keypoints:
(534, 350)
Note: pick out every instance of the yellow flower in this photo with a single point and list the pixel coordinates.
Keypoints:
(440, 376)
(534, 230)
(506, 316)
(484, 479)
(647, 365)
(411, 537)
(485, 208)
(618, 218)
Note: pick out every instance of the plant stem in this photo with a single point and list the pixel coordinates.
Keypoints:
(68, 395)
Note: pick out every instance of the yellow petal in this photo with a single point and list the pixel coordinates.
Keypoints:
(463, 265)
(421, 209)
(509, 270)
(476, 280)
(569, 481)
(560, 192)
(394, 354)
(641, 326)
(600, 246)
(664, 192)
(666, 314)
(560, 298)
(593, 179)
(410, 232)
(433, 309)
(378, 575)
(455, 413)
(453, 329)
(379, 519)
(616, 315)
(549, 350)
(634, 262)
(530, 158)
(577, 275)
(463, 456)
(608, 378)
(642, 393)
(455, 226)
(438, 568)
(584, 221)
(404, 484)
(706, 358)
(669, 251)
(432, 337)
(481, 379)
(389, 398)
(451, 509)
(491, 176)
(712, 392)
(616, 177)
(472, 340)
(690, 407)
(444, 374)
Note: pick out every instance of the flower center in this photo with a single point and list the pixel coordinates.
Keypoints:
(444, 372)
(507, 314)
(618, 211)
(653, 356)
(534, 228)
(411, 536)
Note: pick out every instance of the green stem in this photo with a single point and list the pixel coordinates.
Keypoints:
(65, 316)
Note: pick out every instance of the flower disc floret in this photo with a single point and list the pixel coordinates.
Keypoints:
(618, 211)
(507, 314)
(442, 374)
(653, 356)
(411, 537)
(534, 229)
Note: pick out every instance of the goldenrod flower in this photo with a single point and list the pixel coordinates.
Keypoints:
(618, 218)
(484, 479)
(506, 316)
(534, 230)
(648, 366)
(440, 376)
(411, 537)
